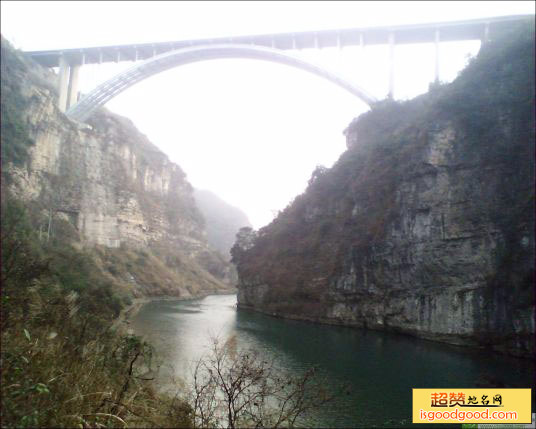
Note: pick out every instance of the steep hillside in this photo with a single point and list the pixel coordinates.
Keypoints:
(222, 220)
(425, 225)
(103, 187)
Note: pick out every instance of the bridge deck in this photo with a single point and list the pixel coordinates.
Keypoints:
(403, 34)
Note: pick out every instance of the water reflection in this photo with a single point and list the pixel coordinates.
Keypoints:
(381, 368)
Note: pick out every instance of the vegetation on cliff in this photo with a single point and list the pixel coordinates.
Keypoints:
(14, 139)
(348, 210)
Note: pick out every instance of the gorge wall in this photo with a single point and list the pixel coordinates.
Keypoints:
(425, 225)
(105, 183)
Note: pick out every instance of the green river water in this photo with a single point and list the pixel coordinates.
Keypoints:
(381, 368)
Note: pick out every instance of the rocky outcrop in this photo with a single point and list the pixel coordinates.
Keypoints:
(105, 178)
(425, 225)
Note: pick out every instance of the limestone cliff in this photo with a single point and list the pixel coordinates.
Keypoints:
(114, 187)
(425, 225)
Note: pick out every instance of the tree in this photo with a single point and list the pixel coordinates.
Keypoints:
(240, 388)
(245, 240)
(318, 172)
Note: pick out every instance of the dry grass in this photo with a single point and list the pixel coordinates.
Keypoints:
(60, 369)
(139, 272)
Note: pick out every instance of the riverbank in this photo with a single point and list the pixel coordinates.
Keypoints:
(451, 341)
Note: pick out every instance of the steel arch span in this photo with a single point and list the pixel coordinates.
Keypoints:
(109, 89)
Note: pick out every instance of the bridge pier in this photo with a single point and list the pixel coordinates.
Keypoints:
(68, 84)
(391, 65)
(63, 84)
(436, 55)
(486, 33)
(73, 85)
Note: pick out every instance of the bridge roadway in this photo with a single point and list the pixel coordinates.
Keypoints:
(476, 29)
(161, 56)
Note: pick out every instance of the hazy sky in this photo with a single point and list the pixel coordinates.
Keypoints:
(251, 131)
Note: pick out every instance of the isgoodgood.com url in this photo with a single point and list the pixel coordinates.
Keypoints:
(464, 416)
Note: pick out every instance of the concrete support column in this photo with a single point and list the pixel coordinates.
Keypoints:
(486, 33)
(73, 85)
(437, 55)
(63, 86)
(361, 54)
(391, 65)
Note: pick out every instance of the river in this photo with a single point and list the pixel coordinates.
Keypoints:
(380, 368)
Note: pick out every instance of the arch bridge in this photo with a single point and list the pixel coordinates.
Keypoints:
(109, 89)
(162, 56)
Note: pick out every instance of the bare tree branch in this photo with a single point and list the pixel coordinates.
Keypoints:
(239, 388)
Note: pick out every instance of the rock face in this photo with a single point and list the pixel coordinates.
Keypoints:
(222, 220)
(425, 225)
(106, 178)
